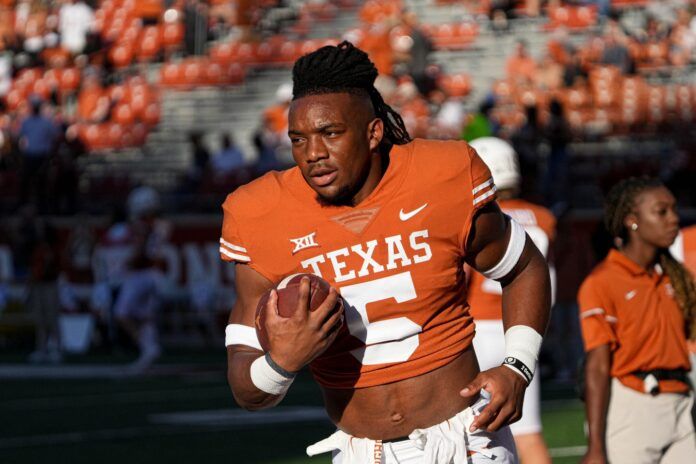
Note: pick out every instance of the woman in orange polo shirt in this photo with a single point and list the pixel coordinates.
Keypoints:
(636, 308)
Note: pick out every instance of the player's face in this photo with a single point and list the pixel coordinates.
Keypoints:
(656, 215)
(334, 139)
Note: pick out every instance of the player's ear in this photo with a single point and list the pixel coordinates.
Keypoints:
(629, 220)
(375, 132)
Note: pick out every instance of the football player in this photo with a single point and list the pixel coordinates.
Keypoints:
(485, 295)
(389, 222)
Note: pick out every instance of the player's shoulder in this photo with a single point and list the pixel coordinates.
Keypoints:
(440, 158)
(258, 196)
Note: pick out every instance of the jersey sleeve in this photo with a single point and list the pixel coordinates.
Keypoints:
(480, 188)
(597, 316)
(232, 246)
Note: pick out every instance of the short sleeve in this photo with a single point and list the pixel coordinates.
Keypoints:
(232, 246)
(479, 190)
(482, 186)
(597, 316)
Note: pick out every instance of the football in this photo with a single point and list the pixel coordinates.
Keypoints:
(288, 293)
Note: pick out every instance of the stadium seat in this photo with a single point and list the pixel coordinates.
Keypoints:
(123, 114)
(172, 35)
(121, 55)
(149, 44)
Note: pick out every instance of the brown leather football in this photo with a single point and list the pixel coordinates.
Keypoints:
(288, 292)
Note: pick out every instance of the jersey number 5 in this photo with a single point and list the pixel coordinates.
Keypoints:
(388, 341)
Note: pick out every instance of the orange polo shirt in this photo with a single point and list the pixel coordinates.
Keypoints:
(684, 248)
(635, 313)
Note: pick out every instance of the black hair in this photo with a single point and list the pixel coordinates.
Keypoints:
(345, 68)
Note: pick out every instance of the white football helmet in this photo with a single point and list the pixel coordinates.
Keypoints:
(501, 159)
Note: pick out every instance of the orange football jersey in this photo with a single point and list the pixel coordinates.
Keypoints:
(684, 248)
(397, 257)
(486, 295)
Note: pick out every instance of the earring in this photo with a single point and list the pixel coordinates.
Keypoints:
(634, 226)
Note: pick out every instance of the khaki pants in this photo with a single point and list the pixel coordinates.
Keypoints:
(642, 428)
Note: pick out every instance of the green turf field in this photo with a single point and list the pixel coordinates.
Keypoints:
(186, 415)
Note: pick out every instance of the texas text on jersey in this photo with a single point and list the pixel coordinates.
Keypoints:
(396, 258)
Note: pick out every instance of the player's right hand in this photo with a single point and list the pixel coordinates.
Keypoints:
(297, 340)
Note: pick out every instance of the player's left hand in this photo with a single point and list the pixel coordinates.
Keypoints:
(507, 393)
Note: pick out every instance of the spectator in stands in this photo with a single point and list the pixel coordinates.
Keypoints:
(500, 11)
(418, 53)
(480, 124)
(616, 52)
(520, 66)
(42, 297)
(93, 104)
(549, 74)
(271, 138)
(526, 142)
(37, 141)
(76, 21)
(138, 300)
(65, 171)
(229, 159)
(558, 134)
(200, 161)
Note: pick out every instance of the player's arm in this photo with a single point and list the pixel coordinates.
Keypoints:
(500, 249)
(597, 389)
(260, 380)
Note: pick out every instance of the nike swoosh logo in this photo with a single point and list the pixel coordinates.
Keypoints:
(406, 216)
(631, 294)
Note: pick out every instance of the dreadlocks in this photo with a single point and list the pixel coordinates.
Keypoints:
(619, 203)
(345, 68)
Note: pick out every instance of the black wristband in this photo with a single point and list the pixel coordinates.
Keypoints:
(277, 368)
(520, 367)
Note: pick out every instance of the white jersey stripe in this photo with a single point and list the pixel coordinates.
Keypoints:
(234, 256)
(232, 247)
(482, 186)
(483, 196)
(591, 312)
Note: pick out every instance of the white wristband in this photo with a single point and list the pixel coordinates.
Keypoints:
(267, 379)
(523, 344)
(512, 254)
(237, 334)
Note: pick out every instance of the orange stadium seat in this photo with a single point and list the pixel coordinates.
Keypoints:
(172, 34)
(149, 44)
(572, 17)
(123, 114)
(152, 114)
(121, 54)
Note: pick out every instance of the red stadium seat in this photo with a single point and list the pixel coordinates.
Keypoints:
(150, 43)
(151, 116)
(123, 114)
(172, 35)
(121, 55)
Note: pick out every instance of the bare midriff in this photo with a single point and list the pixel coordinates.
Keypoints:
(394, 410)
